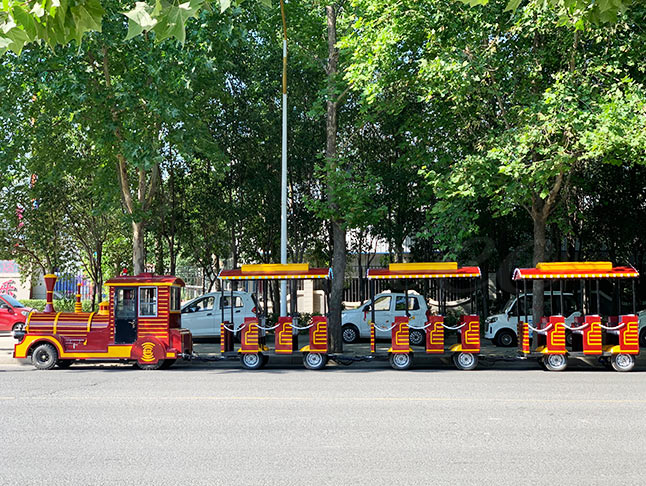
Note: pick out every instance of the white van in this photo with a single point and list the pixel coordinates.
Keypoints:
(203, 315)
(356, 322)
(501, 328)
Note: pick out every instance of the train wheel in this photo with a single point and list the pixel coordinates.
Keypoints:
(251, 361)
(64, 363)
(44, 357)
(167, 364)
(150, 366)
(622, 362)
(555, 362)
(465, 361)
(417, 337)
(314, 361)
(401, 361)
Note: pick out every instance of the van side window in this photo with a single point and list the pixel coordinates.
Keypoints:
(383, 303)
(226, 301)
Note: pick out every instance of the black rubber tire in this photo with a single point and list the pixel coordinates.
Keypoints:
(151, 366)
(465, 361)
(505, 338)
(350, 333)
(17, 326)
(167, 364)
(568, 338)
(401, 361)
(44, 356)
(417, 337)
(265, 360)
(555, 362)
(251, 361)
(642, 338)
(622, 362)
(64, 363)
(314, 361)
(541, 363)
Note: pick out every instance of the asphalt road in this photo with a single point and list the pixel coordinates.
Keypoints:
(217, 424)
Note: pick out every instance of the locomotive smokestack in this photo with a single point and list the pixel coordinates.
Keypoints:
(77, 305)
(50, 280)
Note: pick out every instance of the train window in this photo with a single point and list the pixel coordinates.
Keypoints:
(148, 301)
(174, 298)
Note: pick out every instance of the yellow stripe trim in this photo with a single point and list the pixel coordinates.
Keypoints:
(56, 322)
(89, 321)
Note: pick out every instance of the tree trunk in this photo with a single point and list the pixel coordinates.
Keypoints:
(538, 288)
(137, 247)
(338, 231)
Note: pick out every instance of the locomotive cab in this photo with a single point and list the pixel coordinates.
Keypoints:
(142, 323)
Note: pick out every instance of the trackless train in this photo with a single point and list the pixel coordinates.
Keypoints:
(141, 321)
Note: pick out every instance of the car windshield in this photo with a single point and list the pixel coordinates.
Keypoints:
(509, 305)
(12, 302)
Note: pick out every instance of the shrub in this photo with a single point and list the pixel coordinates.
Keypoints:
(61, 305)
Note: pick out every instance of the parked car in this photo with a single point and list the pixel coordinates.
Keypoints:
(501, 328)
(12, 313)
(356, 322)
(203, 315)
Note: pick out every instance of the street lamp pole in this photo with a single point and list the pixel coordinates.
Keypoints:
(283, 176)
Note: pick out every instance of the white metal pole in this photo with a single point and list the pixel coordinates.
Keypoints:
(283, 177)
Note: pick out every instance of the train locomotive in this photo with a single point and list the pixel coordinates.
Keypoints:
(139, 323)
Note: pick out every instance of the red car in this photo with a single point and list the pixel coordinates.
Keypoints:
(12, 313)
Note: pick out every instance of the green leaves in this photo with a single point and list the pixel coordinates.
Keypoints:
(58, 22)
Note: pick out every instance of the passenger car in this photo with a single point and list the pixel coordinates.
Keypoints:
(12, 313)
(356, 322)
(203, 315)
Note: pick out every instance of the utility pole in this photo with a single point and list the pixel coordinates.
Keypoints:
(283, 176)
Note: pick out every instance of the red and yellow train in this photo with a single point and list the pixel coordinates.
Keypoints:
(141, 322)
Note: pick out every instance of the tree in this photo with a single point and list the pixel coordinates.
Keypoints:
(511, 108)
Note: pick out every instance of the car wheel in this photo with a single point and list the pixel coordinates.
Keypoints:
(350, 334)
(555, 362)
(401, 361)
(251, 361)
(465, 361)
(314, 361)
(64, 363)
(642, 338)
(417, 337)
(17, 326)
(505, 338)
(568, 338)
(622, 362)
(44, 357)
